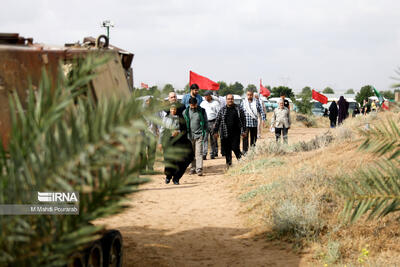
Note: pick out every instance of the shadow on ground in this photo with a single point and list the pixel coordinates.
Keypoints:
(208, 246)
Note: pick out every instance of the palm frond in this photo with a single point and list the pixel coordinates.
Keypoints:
(376, 190)
(383, 139)
(62, 142)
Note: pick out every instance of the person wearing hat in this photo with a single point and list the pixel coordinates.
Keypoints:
(212, 108)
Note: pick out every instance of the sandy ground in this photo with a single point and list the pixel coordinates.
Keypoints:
(197, 223)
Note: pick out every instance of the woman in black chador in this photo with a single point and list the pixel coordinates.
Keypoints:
(343, 110)
(333, 114)
(178, 151)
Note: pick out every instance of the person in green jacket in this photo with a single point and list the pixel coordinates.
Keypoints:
(196, 122)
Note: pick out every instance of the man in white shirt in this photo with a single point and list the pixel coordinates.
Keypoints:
(251, 109)
(212, 108)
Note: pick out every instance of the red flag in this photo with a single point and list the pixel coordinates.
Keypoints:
(384, 105)
(203, 82)
(319, 97)
(264, 91)
(143, 85)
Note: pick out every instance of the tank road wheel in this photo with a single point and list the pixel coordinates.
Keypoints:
(112, 248)
(94, 255)
(76, 260)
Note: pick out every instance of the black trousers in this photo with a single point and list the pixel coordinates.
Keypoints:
(231, 143)
(252, 135)
(281, 131)
(333, 123)
(176, 165)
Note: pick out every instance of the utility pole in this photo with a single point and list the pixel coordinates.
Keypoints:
(107, 24)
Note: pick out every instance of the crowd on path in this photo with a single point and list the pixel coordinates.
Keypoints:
(191, 130)
(339, 111)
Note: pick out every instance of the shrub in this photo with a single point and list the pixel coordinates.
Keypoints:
(307, 121)
(332, 252)
(344, 133)
(297, 219)
(264, 189)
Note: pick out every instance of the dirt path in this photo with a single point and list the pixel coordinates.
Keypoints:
(196, 223)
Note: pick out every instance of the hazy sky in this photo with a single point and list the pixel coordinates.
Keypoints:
(342, 44)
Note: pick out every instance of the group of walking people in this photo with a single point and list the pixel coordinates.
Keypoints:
(339, 111)
(195, 125)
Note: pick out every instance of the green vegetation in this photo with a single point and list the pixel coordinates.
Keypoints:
(304, 105)
(365, 92)
(328, 90)
(387, 94)
(350, 91)
(167, 89)
(153, 91)
(377, 188)
(276, 92)
(251, 87)
(258, 166)
(261, 190)
(62, 140)
(235, 88)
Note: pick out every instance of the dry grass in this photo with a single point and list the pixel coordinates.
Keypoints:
(290, 192)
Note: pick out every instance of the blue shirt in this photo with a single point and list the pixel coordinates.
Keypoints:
(185, 99)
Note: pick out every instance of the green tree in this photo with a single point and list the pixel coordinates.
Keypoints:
(251, 87)
(387, 94)
(187, 88)
(168, 88)
(237, 88)
(305, 91)
(138, 92)
(276, 92)
(223, 88)
(304, 105)
(350, 91)
(328, 90)
(154, 91)
(365, 92)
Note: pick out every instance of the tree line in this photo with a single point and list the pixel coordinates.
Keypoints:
(239, 89)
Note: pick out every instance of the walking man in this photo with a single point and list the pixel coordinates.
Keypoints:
(212, 108)
(281, 121)
(251, 108)
(231, 121)
(194, 93)
(173, 100)
(260, 124)
(196, 122)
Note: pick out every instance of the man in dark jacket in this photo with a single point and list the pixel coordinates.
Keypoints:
(232, 122)
(196, 121)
